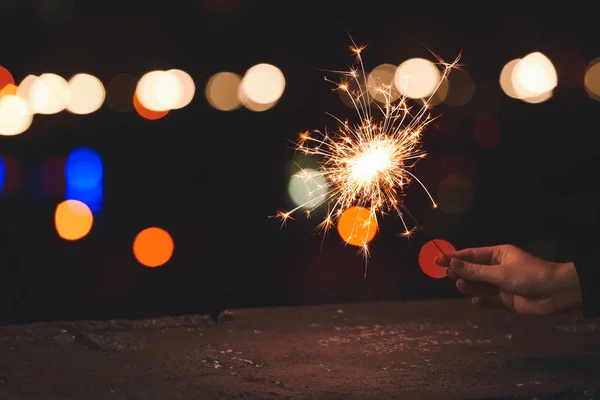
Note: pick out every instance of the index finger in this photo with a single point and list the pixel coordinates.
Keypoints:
(480, 255)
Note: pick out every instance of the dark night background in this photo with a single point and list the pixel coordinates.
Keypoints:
(213, 178)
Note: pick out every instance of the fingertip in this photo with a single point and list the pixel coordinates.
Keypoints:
(476, 300)
(442, 261)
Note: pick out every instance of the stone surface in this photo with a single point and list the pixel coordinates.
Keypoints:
(434, 349)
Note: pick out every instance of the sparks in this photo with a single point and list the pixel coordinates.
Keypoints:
(368, 164)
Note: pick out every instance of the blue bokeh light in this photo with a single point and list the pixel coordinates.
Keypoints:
(83, 178)
(84, 169)
(91, 197)
(2, 173)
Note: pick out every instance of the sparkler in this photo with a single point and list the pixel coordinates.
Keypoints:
(367, 164)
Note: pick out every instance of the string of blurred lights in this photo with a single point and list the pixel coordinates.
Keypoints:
(531, 79)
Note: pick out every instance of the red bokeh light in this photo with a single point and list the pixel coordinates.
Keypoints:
(146, 113)
(6, 78)
(14, 174)
(486, 132)
(427, 256)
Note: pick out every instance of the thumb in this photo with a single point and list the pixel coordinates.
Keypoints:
(477, 272)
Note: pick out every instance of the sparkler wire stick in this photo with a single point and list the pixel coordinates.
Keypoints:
(424, 231)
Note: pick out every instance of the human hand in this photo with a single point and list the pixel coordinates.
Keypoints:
(507, 277)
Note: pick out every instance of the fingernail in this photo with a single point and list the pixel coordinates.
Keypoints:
(439, 260)
(456, 263)
(475, 300)
(460, 283)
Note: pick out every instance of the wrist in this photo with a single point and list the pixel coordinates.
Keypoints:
(567, 288)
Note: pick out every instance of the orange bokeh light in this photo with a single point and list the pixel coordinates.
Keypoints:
(357, 226)
(73, 219)
(153, 247)
(427, 256)
(146, 113)
(8, 89)
(6, 78)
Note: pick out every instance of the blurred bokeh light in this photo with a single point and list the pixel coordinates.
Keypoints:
(15, 115)
(188, 86)
(417, 78)
(84, 173)
(119, 92)
(87, 94)
(592, 79)
(2, 173)
(73, 220)
(145, 112)
(382, 76)
(455, 194)
(6, 77)
(428, 254)
(14, 174)
(308, 188)
(153, 247)
(49, 94)
(486, 132)
(263, 84)
(222, 91)
(506, 78)
(53, 176)
(461, 88)
(357, 226)
(24, 88)
(160, 91)
(531, 78)
(534, 75)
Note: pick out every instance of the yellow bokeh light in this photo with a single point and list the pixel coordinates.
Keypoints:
(379, 79)
(222, 91)
(160, 91)
(15, 116)
(87, 94)
(49, 94)
(417, 78)
(534, 75)
(73, 220)
(188, 86)
(8, 89)
(592, 80)
(308, 188)
(153, 247)
(357, 226)
(263, 84)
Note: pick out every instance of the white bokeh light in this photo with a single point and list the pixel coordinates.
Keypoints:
(159, 91)
(534, 75)
(417, 78)
(188, 86)
(263, 84)
(49, 94)
(87, 94)
(15, 116)
(308, 189)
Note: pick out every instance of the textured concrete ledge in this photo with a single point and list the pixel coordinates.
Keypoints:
(435, 349)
